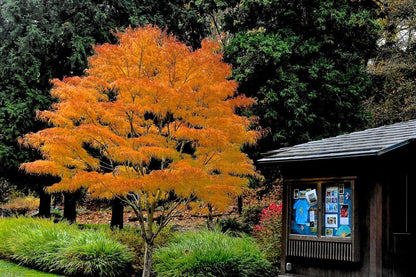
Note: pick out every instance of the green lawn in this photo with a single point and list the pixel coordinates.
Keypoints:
(8, 269)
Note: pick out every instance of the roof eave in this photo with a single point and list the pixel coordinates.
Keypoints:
(338, 155)
(316, 157)
(396, 146)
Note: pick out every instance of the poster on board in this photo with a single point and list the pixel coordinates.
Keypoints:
(344, 217)
(311, 197)
(331, 220)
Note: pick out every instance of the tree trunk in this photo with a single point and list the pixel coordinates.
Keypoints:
(117, 214)
(70, 206)
(44, 203)
(147, 267)
(240, 205)
(210, 218)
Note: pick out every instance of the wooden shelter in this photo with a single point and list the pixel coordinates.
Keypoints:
(348, 203)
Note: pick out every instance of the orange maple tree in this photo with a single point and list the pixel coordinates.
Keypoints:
(153, 123)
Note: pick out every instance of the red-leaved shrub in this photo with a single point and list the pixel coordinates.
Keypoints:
(268, 232)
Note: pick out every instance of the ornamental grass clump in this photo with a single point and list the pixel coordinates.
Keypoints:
(210, 253)
(62, 248)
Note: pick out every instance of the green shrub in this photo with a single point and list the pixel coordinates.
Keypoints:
(62, 248)
(6, 190)
(210, 253)
(233, 226)
(251, 215)
(131, 237)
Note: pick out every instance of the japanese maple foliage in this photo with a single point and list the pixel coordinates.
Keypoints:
(153, 123)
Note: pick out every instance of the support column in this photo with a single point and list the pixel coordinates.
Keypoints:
(376, 231)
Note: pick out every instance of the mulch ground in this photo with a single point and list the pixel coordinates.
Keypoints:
(99, 212)
(94, 212)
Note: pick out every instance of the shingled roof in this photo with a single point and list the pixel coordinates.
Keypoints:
(369, 142)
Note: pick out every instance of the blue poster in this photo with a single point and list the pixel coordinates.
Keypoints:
(304, 218)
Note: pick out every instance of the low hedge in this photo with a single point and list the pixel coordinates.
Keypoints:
(62, 248)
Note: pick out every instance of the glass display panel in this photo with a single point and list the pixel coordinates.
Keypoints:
(304, 210)
(337, 210)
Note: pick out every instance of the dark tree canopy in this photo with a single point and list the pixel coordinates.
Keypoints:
(42, 40)
(393, 69)
(304, 62)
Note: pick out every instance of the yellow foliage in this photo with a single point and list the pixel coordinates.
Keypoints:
(22, 204)
(151, 117)
(43, 167)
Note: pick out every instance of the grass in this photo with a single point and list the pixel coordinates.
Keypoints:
(9, 269)
(62, 248)
(210, 253)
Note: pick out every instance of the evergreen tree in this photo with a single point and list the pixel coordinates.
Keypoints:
(304, 62)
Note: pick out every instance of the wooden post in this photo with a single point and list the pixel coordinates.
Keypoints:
(376, 231)
(285, 209)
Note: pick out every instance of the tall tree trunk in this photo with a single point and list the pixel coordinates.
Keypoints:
(70, 206)
(147, 267)
(44, 203)
(117, 214)
(240, 205)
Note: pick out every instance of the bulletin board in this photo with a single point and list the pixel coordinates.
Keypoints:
(305, 212)
(337, 213)
(334, 219)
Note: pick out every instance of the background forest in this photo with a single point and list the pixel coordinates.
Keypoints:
(316, 68)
